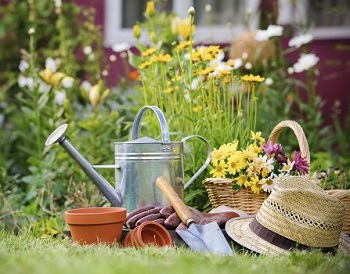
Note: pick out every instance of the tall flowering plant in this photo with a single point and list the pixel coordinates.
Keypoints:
(199, 90)
(258, 165)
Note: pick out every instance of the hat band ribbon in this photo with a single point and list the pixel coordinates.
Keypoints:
(279, 240)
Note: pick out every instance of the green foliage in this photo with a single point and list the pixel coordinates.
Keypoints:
(59, 80)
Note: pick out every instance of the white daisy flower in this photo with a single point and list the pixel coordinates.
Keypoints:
(23, 65)
(237, 63)
(287, 167)
(120, 47)
(299, 40)
(268, 81)
(305, 62)
(67, 82)
(51, 64)
(60, 97)
(267, 184)
(87, 50)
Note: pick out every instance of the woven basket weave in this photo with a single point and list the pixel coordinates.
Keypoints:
(220, 190)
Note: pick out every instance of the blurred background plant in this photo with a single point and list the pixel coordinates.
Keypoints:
(52, 74)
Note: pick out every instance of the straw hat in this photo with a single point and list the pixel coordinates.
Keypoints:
(298, 213)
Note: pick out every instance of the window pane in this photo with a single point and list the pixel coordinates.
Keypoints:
(222, 12)
(327, 13)
(133, 11)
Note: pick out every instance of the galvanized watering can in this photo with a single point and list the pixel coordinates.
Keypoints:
(138, 163)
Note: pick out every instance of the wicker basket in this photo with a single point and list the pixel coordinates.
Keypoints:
(220, 190)
(344, 196)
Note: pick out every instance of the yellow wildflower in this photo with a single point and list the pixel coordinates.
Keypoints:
(216, 154)
(162, 58)
(148, 52)
(137, 31)
(214, 50)
(94, 95)
(177, 78)
(224, 73)
(230, 63)
(182, 27)
(145, 64)
(207, 70)
(150, 9)
(233, 164)
(168, 90)
(256, 136)
(198, 108)
(254, 148)
(219, 170)
(51, 78)
(252, 78)
(243, 180)
(265, 172)
(227, 80)
(255, 185)
(184, 44)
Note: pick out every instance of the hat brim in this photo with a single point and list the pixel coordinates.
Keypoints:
(238, 229)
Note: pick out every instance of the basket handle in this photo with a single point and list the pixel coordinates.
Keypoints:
(299, 133)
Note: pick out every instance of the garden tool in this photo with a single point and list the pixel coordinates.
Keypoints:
(206, 238)
(138, 163)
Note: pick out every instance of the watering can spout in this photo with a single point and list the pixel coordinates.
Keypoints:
(57, 136)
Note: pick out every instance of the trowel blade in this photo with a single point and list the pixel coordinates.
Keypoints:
(206, 238)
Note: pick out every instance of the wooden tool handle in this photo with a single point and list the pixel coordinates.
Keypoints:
(181, 209)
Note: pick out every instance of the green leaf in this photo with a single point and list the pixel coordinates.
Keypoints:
(134, 60)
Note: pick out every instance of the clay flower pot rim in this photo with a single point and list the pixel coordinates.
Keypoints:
(93, 225)
(95, 215)
(148, 233)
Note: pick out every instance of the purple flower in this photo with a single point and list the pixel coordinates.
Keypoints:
(281, 158)
(300, 163)
(272, 148)
(275, 150)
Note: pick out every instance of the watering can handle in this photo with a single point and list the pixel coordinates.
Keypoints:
(206, 163)
(161, 119)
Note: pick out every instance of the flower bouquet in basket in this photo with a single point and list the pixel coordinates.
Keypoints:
(244, 175)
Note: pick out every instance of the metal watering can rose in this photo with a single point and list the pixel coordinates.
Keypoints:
(138, 163)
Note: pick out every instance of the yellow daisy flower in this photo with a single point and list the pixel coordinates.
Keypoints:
(252, 78)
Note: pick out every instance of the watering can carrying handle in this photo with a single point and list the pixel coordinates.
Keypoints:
(206, 163)
(166, 138)
(161, 119)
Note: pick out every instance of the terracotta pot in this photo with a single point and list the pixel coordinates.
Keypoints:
(94, 225)
(148, 233)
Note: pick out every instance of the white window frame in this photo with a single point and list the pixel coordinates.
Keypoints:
(114, 33)
(290, 15)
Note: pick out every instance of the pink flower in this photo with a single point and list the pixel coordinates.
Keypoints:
(300, 163)
(275, 149)
(272, 148)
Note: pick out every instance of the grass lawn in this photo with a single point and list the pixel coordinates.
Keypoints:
(26, 254)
